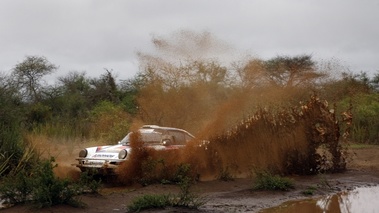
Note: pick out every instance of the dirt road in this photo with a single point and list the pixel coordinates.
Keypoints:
(232, 196)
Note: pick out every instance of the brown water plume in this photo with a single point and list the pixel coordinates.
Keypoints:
(245, 117)
(285, 141)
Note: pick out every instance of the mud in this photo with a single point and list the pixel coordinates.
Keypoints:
(232, 196)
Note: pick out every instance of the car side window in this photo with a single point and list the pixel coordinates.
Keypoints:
(179, 137)
(188, 137)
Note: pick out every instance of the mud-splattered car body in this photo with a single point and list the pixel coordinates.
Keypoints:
(105, 159)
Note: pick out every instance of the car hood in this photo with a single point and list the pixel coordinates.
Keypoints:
(106, 152)
(111, 149)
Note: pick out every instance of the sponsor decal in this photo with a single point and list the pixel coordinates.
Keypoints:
(103, 155)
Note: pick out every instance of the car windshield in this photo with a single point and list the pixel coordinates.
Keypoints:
(149, 136)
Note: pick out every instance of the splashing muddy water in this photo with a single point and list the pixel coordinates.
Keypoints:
(284, 142)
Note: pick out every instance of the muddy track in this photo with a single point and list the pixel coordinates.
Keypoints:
(232, 196)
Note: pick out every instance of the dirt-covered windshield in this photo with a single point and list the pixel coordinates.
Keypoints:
(149, 136)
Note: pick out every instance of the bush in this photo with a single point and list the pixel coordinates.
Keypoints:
(40, 187)
(267, 181)
(309, 191)
(225, 175)
(185, 198)
(365, 128)
(149, 202)
(109, 122)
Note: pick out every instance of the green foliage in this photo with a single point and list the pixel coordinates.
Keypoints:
(183, 173)
(40, 187)
(309, 191)
(109, 122)
(48, 190)
(16, 188)
(185, 199)
(103, 89)
(87, 183)
(365, 127)
(28, 76)
(13, 149)
(267, 181)
(149, 202)
(38, 113)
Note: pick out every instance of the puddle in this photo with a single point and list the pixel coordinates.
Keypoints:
(356, 201)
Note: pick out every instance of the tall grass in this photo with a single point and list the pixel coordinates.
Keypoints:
(16, 154)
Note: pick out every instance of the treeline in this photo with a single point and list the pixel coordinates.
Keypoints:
(199, 94)
(192, 95)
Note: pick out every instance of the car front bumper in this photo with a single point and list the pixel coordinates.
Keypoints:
(102, 166)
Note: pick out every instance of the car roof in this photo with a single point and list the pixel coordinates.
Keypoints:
(164, 128)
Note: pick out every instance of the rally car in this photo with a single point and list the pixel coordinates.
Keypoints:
(105, 159)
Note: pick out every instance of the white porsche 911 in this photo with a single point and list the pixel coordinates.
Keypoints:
(105, 159)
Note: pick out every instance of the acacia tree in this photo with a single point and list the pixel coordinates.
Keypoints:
(28, 76)
(297, 71)
(281, 72)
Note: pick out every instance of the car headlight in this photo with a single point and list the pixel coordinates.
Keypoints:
(83, 153)
(122, 154)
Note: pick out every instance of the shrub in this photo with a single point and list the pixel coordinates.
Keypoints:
(149, 202)
(309, 191)
(40, 187)
(225, 175)
(109, 122)
(87, 183)
(185, 198)
(17, 188)
(267, 181)
(366, 117)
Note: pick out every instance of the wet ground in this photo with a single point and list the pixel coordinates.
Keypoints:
(361, 199)
(237, 196)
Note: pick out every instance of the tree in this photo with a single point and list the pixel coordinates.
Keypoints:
(348, 85)
(104, 89)
(285, 71)
(28, 76)
(251, 74)
(71, 99)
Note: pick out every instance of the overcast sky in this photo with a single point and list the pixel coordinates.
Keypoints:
(90, 35)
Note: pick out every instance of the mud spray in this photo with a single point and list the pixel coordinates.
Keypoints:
(247, 126)
(285, 142)
(63, 151)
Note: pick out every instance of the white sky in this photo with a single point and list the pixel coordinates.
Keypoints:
(90, 35)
